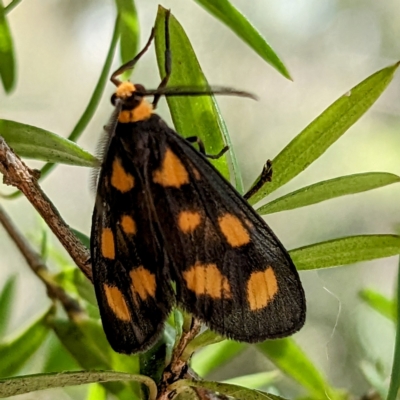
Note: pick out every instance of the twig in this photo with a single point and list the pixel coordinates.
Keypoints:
(178, 367)
(17, 174)
(38, 266)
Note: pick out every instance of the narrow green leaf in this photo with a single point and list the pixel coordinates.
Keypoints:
(96, 392)
(7, 61)
(44, 244)
(33, 142)
(129, 40)
(235, 20)
(55, 357)
(11, 6)
(6, 303)
(235, 391)
(215, 355)
(291, 359)
(347, 250)
(329, 189)
(31, 383)
(82, 237)
(72, 280)
(178, 321)
(192, 116)
(379, 303)
(206, 338)
(86, 342)
(395, 377)
(15, 352)
(318, 136)
(153, 361)
(255, 381)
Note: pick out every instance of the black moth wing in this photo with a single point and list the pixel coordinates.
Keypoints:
(130, 267)
(230, 269)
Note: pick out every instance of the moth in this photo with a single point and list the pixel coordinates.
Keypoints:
(168, 230)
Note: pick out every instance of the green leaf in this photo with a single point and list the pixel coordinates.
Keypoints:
(192, 116)
(86, 342)
(329, 189)
(55, 357)
(44, 244)
(215, 355)
(7, 61)
(238, 392)
(204, 339)
(11, 6)
(72, 280)
(347, 250)
(82, 237)
(318, 136)
(96, 392)
(7, 296)
(15, 352)
(379, 303)
(255, 381)
(291, 359)
(153, 361)
(395, 377)
(33, 142)
(230, 16)
(31, 383)
(178, 323)
(129, 31)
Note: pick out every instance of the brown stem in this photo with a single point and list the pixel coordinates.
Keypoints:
(17, 174)
(178, 367)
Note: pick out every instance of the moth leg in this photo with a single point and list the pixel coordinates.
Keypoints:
(167, 61)
(130, 64)
(266, 176)
(196, 139)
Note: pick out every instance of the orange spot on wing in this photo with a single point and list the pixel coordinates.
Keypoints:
(172, 171)
(120, 179)
(205, 279)
(261, 288)
(143, 283)
(128, 225)
(233, 230)
(107, 244)
(188, 221)
(117, 302)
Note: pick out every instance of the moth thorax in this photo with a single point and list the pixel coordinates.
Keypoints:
(134, 106)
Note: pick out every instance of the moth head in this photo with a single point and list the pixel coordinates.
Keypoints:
(130, 95)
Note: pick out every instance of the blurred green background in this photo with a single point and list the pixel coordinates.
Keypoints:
(328, 46)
